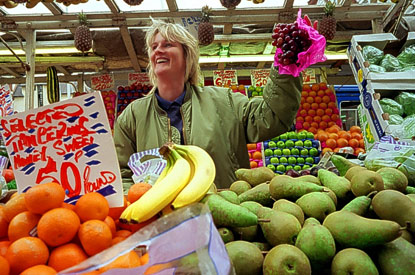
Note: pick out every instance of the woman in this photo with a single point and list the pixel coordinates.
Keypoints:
(214, 118)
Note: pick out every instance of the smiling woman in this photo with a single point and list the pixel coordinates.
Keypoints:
(216, 119)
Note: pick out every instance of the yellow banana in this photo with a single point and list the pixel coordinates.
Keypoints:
(204, 174)
(159, 196)
(165, 171)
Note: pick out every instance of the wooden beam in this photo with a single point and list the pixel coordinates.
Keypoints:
(288, 4)
(130, 48)
(172, 5)
(377, 26)
(221, 65)
(227, 28)
(260, 65)
(10, 71)
(112, 6)
(346, 3)
(62, 70)
(53, 8)
(11, 62)
(392, 12)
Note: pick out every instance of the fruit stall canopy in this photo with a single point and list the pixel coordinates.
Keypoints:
(242, 35)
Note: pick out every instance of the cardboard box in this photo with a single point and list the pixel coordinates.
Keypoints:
(360, 67)
(369, 134)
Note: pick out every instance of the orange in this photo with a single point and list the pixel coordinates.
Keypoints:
(309, 99)
(320, 93)
(3, 247)
(345, 135)
(21, 225)
(302, 100)
(325, 150)
(4, 223)
(314, 125)
(4, 266)
(303, 112)
(342, 142)
(138, 189)
(362, 143)
(14, 206)
(336, 150)
(312, 130)
(304, 94)
(354, 143)
(322, 125)
(332, 105)
(322, 136)
(356, 135)
(331, 123)
(92, 206)
(315, 87)
(308, 119)
(318, 99)
(306, 106)
(325, 118)
(357, 151)
(68, 206)
(145, 258)
(128, 260)
(95, 236)
(111, 224)
(123, 233)
(65, 256)
(43, 197)
(333, 136)
(323, 85)
(26, 252)
(317, 119)
(312, 94)
(311, 112)
(299, 119)
(334, 129)
(306, 87)
(314, 106)
(255, 155)
(326, 99)
(39, 269)
(328, 111)
(320, 112)
(251, 146)
(328, 91)
(322, 105)
(331, 143)
(253, 164)
(355, 129)
(58, 226)
(117, 240)
(306, 125)
(335, 117)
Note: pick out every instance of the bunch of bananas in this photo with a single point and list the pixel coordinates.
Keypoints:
(186, 179)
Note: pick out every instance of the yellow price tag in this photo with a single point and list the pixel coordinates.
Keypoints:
(360, 75)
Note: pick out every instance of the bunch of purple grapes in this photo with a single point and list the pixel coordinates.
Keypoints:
(291, 40)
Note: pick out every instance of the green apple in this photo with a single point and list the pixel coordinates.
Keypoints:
(275, 139)
(288, 167)
(251, 88)
(281, 168)
(292, 160)
(304, 152)
(309, 160)
(292, 135)
(272, 167)
(281, 144)
(289, 143)
(308, 143)
(260, 93)
(302, 135)
(274, 160)
(286, 152)
(283, 160)
(268, 152)
(314, 165)
(258, 89)
(278, 152)
(297, 168)
(300, 160)
(283, 136)
(310, 135)
(299, 143)
(306, 166)
(272, 144)
(255, 94)
(313, 152)
(295, 151)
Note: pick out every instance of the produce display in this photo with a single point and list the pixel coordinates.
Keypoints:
(127, 94)
(238, 89)
(381, 62)
(255, 154)
(109, 98)
(255, 91)
(334, 139)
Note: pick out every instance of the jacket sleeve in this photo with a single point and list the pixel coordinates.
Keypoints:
(124, 140)
(274, 113)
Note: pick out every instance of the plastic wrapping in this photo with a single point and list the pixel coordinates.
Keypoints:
(391, 63)
(408, 126)
(376, 69)
(407, 100)
(372, 54)
(407, 56)
(395, 120)
(146, 166)
(313, 55)
(391, 107)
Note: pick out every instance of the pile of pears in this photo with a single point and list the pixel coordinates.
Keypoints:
(357, 222)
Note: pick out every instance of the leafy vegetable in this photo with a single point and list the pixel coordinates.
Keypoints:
(391, 107)
(391, 63)
(372, 54)
(407, 56)
(407, 100)
(395, 119)
(11, 185)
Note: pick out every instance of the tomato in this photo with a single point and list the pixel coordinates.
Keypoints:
(8, 175)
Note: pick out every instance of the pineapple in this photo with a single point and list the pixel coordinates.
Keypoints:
(83, 37)
(133, 2)
(327, 26)
(205, 31)
(230, 4)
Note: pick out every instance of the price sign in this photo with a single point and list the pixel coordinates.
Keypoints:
(259, 77)
(309, 76)
(102, 82)
(6, 101)
(191, 23)
(68, 142)
(224, 78)
(138, 78)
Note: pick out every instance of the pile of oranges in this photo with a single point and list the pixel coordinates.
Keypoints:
(334, 138)
(318, 109)
(41, 234)
(255, 155)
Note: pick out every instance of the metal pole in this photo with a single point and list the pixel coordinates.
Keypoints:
(30, 36)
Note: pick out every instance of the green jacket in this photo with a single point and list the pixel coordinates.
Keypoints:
(215, 119)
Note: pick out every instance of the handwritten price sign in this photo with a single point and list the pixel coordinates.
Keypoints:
(309, 76)
(68, 142)
(136, 78)
(6, 101)
(102, 82)
(259, 78)
(225, 78)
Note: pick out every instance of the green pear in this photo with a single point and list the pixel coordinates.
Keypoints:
(248, 233)
(393, 178)
(317, 205)
(411, 197)
(226, 234)
(229, 196)
(410, 190)
(367, 181)
(252, 206)
(262, 246)
(395, 206)
(360, 205)
(240, 186)
(342, 164)
(309, 178)
(284, 187)
(316, 242)
(290, 208)
(259, 193)
(408, 236)
(286, 259)
(354, 171)
(255, 176)
(353, 261)
(339, 185)
(351, 230)
(246, 257)
(396, 257)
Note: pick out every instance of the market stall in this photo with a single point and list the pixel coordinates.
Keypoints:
(332, 195)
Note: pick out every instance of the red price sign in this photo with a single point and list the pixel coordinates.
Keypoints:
(102, 82)
(309, 76)
(259, 77)
(224, 78)
(136, 78)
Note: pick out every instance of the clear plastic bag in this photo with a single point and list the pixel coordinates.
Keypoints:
(146, 166)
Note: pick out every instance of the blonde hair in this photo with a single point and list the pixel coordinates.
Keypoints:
(175, 33)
